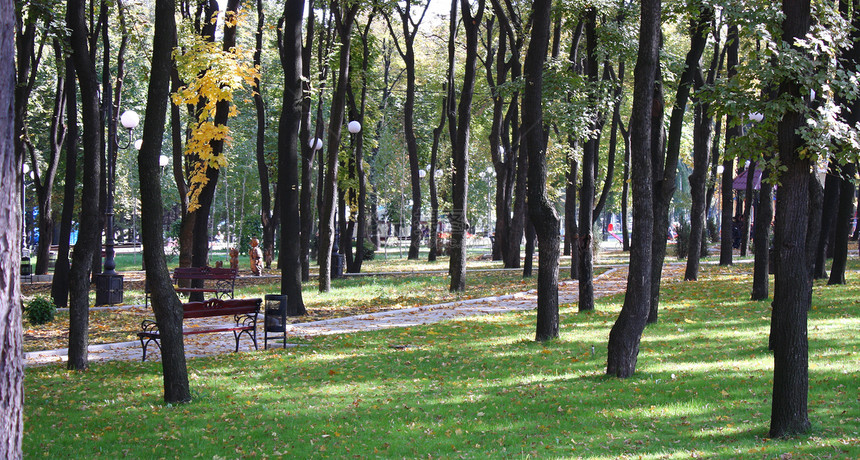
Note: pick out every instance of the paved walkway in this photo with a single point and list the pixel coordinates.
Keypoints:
(610, 282)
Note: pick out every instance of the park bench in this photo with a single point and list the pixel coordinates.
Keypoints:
(224, 281)
(244, 312)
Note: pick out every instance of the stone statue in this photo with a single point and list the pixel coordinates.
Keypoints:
(234, 258)
(256, 257)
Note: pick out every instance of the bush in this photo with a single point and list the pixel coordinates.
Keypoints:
(682, 241)
(713, 230)
(369, 250)
(40, 311)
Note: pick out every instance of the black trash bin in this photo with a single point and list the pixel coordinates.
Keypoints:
(275, 319)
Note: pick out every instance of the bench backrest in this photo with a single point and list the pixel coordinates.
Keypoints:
(218, 307)
(204, 273)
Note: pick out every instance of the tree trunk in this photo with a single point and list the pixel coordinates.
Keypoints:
(701, 149)
(269, 214)
(60, 282)
(571, 231)
(11, 340)
(792, 288)
(460, 151)
(625, 193)
(749, 195)
(828, 216)
(288, 157)
(344, 17)
(45, 187)
(309, 151)
(528, 260)
(585, 241)
(623, 348)
(206, 198)
(186, 222)
(813, 232)
(89, 231)
(360, 222)
(666, 167)
(541, 211)
(843, 224)
(763, 219)
(732, 132)
(165, 303)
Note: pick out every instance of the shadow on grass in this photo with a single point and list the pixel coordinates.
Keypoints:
(473, 388)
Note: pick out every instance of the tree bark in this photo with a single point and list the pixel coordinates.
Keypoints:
(344, 18)
(585, 241)
(407, 52)
(270, 213)
(666, 167)
(89, 234)
(541, 211)
(360, 195)
(60, 282)
(460, 153)
(44, 182)
(165, 303)
(792, 288)
(843, 224)
(732, 132)
(828, 211)
(763, 219)
(288, 157)
(11, 340)
(701, 149)
(623, 348)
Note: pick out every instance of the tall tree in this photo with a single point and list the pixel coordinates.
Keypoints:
(89, 231)
(792, 294)
(358, 225)
(665, 167)
(205, 189)
(763, 219)
(310, 151)
(733, 131)
(270, 213)
(344, 14)
(288, 156)
(165, 303)
(702, 136)
(585, 242)
(516, 167)
(624, 337)
(407, 51)
(60, 281)
(11, 340)
(460, 149)
(541, 210)
(849, 59)
(44, 180)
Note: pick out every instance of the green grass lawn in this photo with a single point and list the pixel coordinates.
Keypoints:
(479, 388)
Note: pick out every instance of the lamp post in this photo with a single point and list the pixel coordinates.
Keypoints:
(24, 249)
(109, 289)
(337, 259)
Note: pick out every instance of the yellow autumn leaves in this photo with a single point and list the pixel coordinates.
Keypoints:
(211, 75)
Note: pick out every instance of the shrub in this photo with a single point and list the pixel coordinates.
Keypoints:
(369, 250)
(40, 311)
(682, 241)
(713, 230)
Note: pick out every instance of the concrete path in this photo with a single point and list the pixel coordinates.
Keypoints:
(610, 282)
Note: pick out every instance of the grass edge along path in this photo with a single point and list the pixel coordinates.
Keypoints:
(479, 388)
